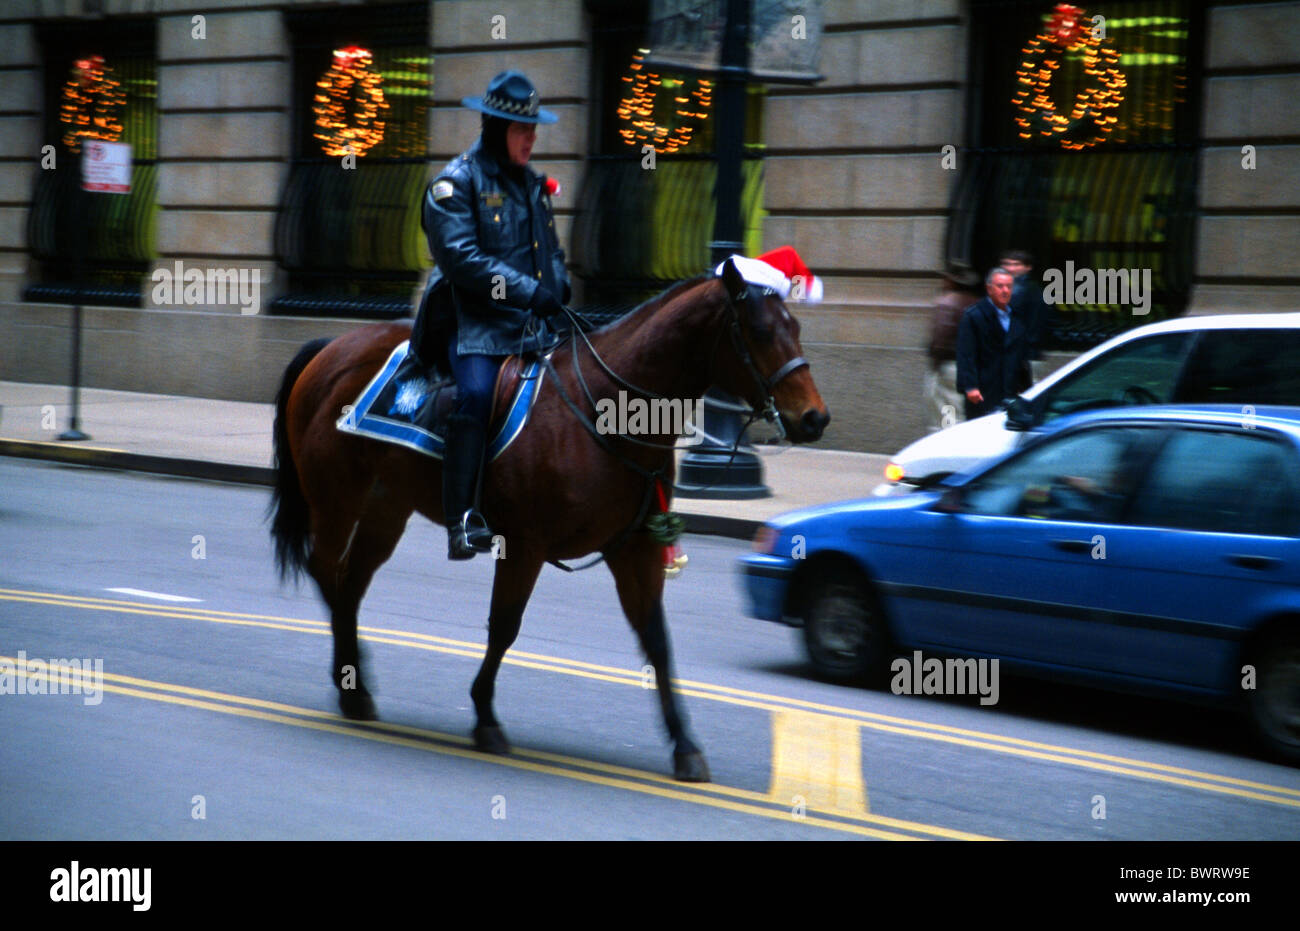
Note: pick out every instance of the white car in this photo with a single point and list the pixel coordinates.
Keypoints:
(1246, 359)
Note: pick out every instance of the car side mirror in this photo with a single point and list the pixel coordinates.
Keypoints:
(1020, 415)
(951, 501)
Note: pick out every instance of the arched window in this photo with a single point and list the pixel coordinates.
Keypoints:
(645, 214)
(100, 83)
(1082, 149)
(348, 229)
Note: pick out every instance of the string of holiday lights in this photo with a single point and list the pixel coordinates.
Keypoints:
(1066, 34)
(92, 103)
(350, 80)
(637, 109)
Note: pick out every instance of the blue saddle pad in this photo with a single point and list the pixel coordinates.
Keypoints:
(400, 406)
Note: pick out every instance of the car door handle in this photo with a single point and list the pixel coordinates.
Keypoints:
(1073, 546)
(1249, 561)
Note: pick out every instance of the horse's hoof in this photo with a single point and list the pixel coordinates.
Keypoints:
(491, 739)
(690, 767)
(357, 706)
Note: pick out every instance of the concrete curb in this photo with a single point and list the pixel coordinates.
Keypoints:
(138, 462)
(708, 524)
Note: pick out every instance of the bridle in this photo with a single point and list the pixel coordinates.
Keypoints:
(766, 384)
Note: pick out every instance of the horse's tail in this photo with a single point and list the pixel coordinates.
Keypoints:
(291, 519)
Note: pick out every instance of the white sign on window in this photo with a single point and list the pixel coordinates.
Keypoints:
(106, 167)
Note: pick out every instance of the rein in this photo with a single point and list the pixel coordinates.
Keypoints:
(651, 476)
(768, 411)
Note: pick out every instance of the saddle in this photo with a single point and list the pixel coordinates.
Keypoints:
(408, 405)
(506, 386)
(503, 391)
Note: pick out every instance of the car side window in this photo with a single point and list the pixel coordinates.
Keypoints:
(1220, 482)
(1244, 367)
(1144, 371)
(1086, 475)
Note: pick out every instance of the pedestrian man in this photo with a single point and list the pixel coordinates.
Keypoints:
(1027, 303)
(992, 349)
(500, 273)
(943, 402)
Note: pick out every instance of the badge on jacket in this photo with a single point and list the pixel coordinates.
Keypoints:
(493, 198)
(442, 190)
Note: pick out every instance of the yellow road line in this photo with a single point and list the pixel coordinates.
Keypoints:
(60, 446)
(148, 688)
(817, 761)
(375, 734)
(184, 614)
(1028, 749)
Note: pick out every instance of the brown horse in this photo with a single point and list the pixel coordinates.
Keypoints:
(560, 491)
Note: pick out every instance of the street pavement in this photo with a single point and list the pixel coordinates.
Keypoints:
(231, 441)
(216, 718)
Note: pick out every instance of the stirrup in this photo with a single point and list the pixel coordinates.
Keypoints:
(475, 531)
(468, 537)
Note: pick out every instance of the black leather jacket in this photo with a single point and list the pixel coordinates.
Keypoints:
(494, 242)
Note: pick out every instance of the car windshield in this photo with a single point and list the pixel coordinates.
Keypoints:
(1143, 372)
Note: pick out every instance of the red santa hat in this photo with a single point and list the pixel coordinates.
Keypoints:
(783, 271)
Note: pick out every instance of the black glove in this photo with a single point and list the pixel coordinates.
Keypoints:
(568, 293)
(544, 303)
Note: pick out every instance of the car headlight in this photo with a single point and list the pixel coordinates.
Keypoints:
(893, 472)
(765, 539)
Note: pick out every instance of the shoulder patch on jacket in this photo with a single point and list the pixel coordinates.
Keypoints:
(442, 189)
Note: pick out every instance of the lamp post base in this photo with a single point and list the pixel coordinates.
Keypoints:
(712, 470)
(717, 474)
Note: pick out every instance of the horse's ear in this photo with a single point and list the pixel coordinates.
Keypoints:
(732, 278)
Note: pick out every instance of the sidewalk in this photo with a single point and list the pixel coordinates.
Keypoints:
(231, 441)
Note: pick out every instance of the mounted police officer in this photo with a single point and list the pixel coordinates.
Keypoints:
(499, 269)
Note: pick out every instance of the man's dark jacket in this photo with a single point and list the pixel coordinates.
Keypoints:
(1027, 303)
(991, 359)
(487, 232)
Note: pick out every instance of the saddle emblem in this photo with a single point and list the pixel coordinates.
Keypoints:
(410, 395)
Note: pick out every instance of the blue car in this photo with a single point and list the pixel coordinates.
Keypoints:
(1151, 549)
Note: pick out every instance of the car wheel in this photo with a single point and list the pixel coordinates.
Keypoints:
(1275, 700)
(843, 629)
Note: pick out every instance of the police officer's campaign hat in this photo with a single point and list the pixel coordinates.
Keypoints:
(511, 96)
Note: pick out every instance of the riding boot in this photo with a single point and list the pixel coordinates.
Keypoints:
(467, 531)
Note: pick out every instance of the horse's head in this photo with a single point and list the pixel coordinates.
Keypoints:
(765, 364)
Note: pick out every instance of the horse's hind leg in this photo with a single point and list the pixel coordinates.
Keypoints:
(639, 576)
(343, 572)
(511, 587)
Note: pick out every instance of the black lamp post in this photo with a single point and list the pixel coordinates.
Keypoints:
(712, 469)
(79, 222)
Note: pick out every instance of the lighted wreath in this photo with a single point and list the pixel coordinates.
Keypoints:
(350, 80)
(637, 109)
(1102, 94)
(92, 103)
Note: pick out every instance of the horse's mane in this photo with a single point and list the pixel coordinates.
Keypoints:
(660, 299)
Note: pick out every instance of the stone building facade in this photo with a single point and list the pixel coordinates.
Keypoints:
(853, 177)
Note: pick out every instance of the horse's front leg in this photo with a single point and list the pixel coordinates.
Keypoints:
(511, 587)
(639, 574)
